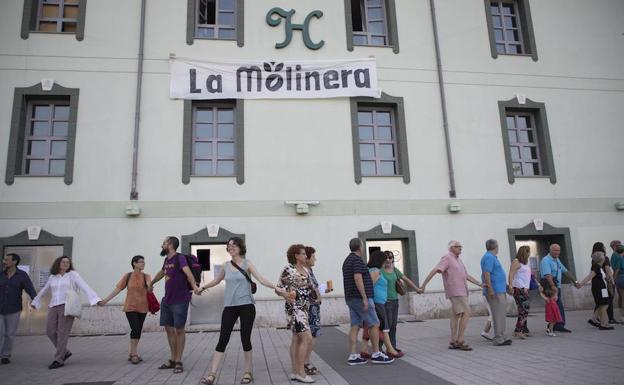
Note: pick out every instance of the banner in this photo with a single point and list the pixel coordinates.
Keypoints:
(286, 79)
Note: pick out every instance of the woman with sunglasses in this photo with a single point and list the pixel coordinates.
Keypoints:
(392, 275)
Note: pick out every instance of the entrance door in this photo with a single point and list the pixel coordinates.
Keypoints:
(36, 261)
(539, 246)
(396, 246)
(207, 308)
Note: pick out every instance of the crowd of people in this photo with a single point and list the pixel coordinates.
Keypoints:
(371, 293)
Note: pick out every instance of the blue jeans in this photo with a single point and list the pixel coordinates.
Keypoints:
(359, 316)
(173, 315)
(560, 325)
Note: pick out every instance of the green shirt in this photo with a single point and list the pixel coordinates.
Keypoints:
(392, 278)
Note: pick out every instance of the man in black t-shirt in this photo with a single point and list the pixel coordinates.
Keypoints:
(358, 289)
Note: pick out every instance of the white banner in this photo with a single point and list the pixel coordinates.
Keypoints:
(288, 79)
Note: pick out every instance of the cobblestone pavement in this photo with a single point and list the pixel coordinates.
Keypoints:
(586, 356)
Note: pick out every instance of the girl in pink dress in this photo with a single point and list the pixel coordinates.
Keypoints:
(552, 310)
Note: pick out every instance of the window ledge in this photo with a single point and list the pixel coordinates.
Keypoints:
(39, 176)
(372, 45)
(52, 33)
(533, 177)
(515, 54)
(213, 38)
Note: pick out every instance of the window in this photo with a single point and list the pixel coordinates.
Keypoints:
(379, 139)
(527, 141)
(213, 139)
(43, 130)
(371, 23)
(215, 19)
(510, 28)
(56, 16)
(45, 139)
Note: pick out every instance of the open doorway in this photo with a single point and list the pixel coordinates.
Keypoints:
(402, 243)
(212, 255)
(539, 242)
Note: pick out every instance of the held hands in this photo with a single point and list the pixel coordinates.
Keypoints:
(101, 303)
(419, 290)
(577, 285)
(197, 290)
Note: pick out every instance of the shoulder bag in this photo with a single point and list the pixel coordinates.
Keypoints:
(254, 287)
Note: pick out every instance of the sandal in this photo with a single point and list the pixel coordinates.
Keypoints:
(209, 379)
(135, 359)
(247, 378)
(310, 370)
(453, 345)
(463, 346)
(168, 365)
(178, 368)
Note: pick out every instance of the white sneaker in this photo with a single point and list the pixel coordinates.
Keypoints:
(292, 376)
(306, 380)
(487, 336)
(550, 334)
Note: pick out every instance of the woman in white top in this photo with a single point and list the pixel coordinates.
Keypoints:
(63, 277)
(520, 281)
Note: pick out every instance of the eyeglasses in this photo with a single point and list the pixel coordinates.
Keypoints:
(459, 247)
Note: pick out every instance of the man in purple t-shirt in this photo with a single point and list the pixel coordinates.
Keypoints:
(179, 285)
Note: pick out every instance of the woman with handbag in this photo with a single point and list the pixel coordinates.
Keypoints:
(238, 303)
(396, 286)
(520, 281)
(601, 280)
(136, 305)
(63, 286)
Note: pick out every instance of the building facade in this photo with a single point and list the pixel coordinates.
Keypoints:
(99, 156)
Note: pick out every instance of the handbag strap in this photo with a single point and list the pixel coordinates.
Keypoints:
(242, 271)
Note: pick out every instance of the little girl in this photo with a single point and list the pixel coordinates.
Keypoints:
(552, 309)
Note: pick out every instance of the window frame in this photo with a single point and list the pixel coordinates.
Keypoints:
(385, 102)
(191, 23)
(214, 140)
(49, 139)
(19, 119)
(525, 28)
(392, 34)
(542, 137)
(378, 142)
(188, 140)
(31, 18)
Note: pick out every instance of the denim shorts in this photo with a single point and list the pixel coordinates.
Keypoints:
(359, 316)
(314, 313)
(173, 314)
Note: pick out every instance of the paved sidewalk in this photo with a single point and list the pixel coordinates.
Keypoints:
(587, 356)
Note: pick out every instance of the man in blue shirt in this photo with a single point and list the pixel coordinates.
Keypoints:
(495, 282)
(12, 282)
(552, 269)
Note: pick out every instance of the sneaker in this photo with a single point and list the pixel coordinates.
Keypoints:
(306, 380)
(487, 336)
(550, 333)
(56, 364)
(381, 358)
(605, 327)
(593, 323)
(355, 359)
(504, 343)
(365, 355)
(5, 360)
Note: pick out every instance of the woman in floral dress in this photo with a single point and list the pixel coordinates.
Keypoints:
(295, 279)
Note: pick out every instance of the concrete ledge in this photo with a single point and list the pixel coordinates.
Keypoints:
(270, 312)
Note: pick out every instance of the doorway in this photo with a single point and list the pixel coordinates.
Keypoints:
(36, 262)
(212, 255)
(206, 309)
(396, 247)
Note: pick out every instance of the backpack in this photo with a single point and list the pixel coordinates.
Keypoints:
(194, 265)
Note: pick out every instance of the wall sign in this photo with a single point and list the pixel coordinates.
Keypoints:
(264, 79)
(289, 27)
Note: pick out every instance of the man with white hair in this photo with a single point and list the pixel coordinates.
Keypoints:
(454, 277)
(552, 269)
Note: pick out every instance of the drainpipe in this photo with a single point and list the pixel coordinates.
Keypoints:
(449, 156)
(134, 194)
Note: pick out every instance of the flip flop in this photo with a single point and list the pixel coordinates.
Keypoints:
(209, 379)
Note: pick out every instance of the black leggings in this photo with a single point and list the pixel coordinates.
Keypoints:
(247, 314)
(136, 323)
